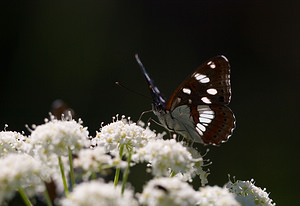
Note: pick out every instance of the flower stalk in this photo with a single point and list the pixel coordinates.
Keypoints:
(126, 173)
(46, 195)
(71, 169)
(24, 197)
(61, 166)
(116, 180)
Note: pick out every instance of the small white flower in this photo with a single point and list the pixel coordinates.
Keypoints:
(98, 193)
(164, 155)
(196, 169)
(249, 194)
(168, 191)
(96, 160)
(13, 142)
(20, 170)
(216, 196)
(123, 132)
(56, 136)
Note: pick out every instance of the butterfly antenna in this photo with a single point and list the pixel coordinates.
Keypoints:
(149, 81)
(131, 90)
(140, 63)
(143, 69)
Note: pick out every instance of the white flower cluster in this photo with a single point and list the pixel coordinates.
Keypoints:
(12, 142)
(93, 160)
(20, 171)
(146, 146)
(217, 196)
(123, 132)
(167, 191)
(249, 194)
(173, 191)
(56, 136)
(164, 155)
(197, 168)
(99, 193)
(28, 162)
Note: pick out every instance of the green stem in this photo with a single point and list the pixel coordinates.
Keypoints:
(24, 197)
(117, 176)
(71, 169)
(93, 176)
(63, 176)
(118, 169)
(126, 173)
(46, 195)
(172, 174)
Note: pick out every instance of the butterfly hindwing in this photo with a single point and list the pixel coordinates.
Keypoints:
(214, 124)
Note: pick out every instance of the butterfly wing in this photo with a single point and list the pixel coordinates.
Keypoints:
(209, 84)
(205, 93)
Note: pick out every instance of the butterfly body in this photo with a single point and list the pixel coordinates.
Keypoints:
(197, 109)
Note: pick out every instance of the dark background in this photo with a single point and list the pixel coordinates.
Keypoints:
(76, 51)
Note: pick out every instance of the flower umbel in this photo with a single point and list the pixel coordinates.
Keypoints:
(13, 142)
(94, 160)
(168, 191)
(99, 193)
(20, 171)
(123, 133)
(214, 195)
(164, 155)
(249, 194)
(56, 136)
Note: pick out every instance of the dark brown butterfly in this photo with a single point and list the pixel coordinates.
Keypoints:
(197, 109)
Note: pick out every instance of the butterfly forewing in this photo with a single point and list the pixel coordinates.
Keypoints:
(209, 84)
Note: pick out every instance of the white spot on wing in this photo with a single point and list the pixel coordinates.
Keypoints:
(208, 112)
(208, 116)
(201, 127)
(205, 100)
(212, 91)
(201, 78)
(204, 120)
(205, 80)
(199, 131)
(211, 64)
(203, 108)
(187, 90)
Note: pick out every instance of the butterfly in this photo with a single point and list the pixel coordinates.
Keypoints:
(197, 109)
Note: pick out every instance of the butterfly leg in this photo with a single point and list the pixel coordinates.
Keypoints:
(156, 122)
(144, 112)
